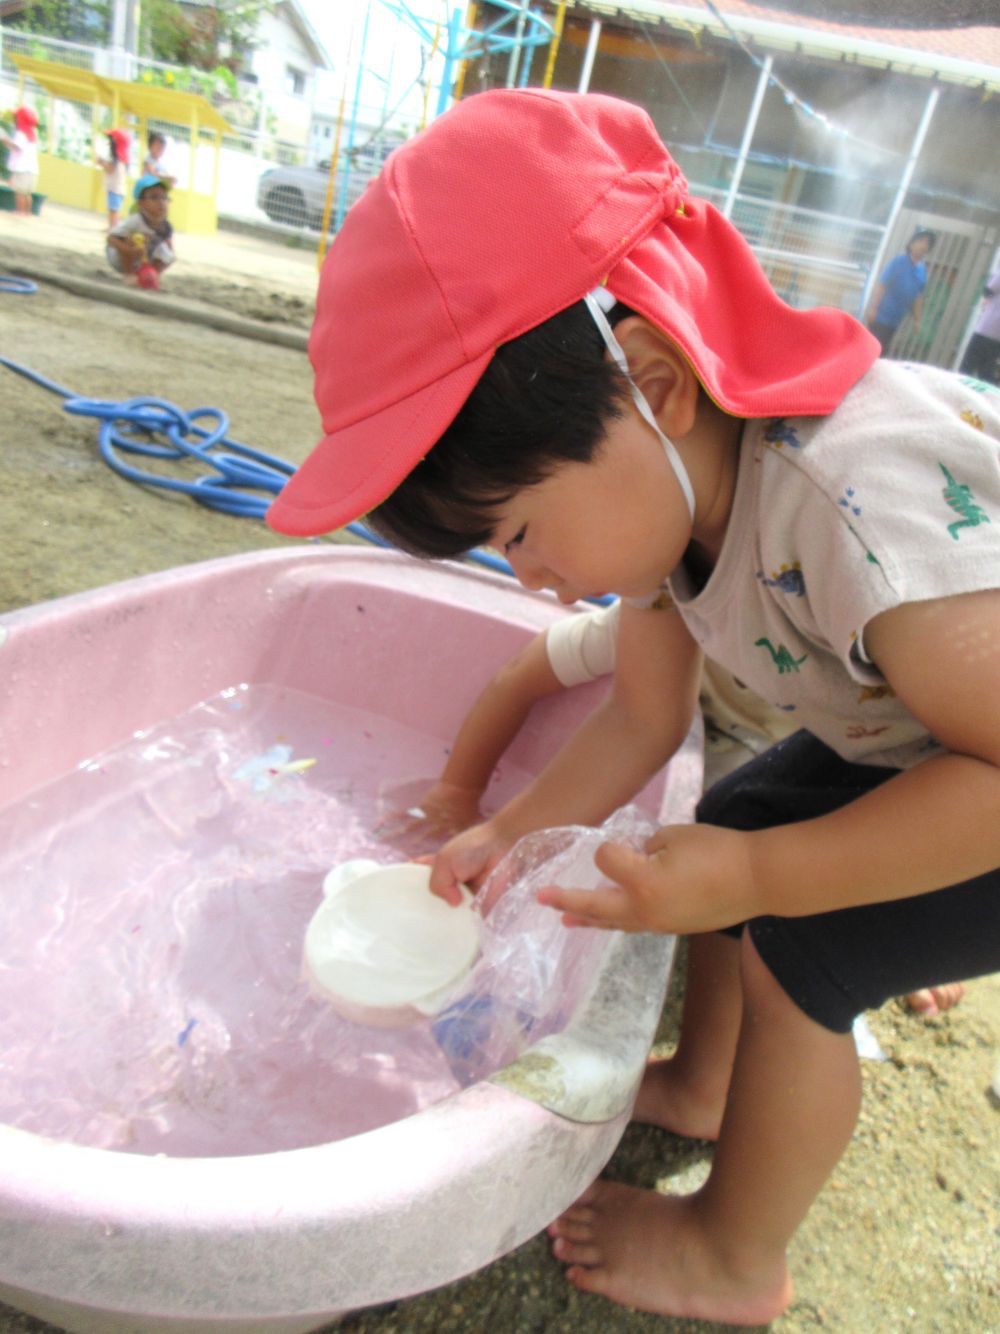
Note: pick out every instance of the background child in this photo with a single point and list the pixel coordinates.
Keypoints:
(140, 247)
(114, 167)
(22, 158)
(606, 388)
(154, 163)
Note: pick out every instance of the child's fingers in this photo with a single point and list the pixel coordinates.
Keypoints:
(621, 863)
(606, 907)
(457, 865)
(612, 906)
(445, 886)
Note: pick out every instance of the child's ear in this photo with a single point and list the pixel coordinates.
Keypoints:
(662, 373)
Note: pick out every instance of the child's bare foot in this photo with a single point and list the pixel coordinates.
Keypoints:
(666, 1100)
(653, 1252)
(935, 1000)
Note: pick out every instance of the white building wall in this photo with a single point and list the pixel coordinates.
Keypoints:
(286, 75)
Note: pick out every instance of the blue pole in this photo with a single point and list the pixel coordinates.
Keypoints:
(447, 78)
(342, 200)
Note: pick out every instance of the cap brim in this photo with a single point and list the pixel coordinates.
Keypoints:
(356, 467)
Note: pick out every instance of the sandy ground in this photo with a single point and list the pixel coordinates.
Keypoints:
(906, 1235)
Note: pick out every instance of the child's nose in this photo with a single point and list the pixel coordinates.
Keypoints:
(530, 573)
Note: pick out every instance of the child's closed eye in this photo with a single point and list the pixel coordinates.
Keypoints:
(516, 540)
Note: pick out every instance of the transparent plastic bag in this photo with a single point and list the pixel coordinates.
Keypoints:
(532, 972)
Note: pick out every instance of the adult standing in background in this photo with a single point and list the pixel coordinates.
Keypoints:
(900, 289)
(982, 356)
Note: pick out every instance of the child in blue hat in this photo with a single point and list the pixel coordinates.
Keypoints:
(140, 247)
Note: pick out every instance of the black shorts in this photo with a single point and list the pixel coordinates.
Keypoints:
(885, 333)
(833, 965)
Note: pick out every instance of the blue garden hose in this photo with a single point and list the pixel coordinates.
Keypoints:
(236, 474)
(19, 286)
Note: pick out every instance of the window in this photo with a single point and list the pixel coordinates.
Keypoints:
(295, 81)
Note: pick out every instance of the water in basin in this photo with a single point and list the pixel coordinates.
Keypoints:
(153, 909)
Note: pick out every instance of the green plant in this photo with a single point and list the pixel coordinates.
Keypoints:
(206, 38)
(72, 20)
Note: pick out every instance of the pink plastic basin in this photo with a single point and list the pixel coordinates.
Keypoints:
(102, 1241)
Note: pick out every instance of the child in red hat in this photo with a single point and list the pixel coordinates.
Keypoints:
(528, 333)
(114, 167)
(22, 158)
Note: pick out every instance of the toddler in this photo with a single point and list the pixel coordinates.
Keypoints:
(154, 163)
(114, 167)
(22, 158)
(140, 247)
(529, 333)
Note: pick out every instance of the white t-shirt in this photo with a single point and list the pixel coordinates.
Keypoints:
(114, 177)
(582, 646)
(22, 156)
(158, 245)
(892, 498)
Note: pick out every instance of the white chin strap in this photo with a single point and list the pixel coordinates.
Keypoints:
(598, 301)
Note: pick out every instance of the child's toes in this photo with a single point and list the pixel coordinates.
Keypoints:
(578, 1214)
(575, 1228)
(576, 1252)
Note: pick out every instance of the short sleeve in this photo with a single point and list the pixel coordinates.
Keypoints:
(581, 647)
(907, 512)
(127, 226)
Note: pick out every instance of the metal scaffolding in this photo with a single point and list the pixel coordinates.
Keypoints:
(517, 32)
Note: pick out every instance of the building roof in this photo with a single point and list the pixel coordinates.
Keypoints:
(297, 16)
(979, 44)
(143, 100)
(969, 55)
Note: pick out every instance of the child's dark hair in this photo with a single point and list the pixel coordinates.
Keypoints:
(113, 146)
(545, 399)
(155, 137)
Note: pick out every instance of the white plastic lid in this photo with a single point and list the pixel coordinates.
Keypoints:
(381, 940)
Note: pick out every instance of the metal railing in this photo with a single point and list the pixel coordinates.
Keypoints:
(811, 258)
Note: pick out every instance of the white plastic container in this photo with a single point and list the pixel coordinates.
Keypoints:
(383, 949)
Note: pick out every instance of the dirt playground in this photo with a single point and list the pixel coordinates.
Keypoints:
(905, 1238)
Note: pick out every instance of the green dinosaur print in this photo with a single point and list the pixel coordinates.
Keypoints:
(781, 657)
(959, 498)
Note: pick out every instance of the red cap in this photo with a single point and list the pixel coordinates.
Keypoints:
(25, 119)
(123, 142)
(504, 211)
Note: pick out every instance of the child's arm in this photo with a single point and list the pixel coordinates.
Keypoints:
(489, 727)
(130, 252)
(926, 828)
(627, 738)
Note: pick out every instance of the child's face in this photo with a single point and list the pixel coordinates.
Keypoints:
(156, 148)
(618, 524)
(153, 204)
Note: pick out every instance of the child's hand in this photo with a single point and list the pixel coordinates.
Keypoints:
(444, 810)
(420, 818)
(467, 859)
(688, 879)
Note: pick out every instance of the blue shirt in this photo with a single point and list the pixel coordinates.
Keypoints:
(903, 281)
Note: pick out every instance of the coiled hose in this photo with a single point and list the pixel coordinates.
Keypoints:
(235, 473)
